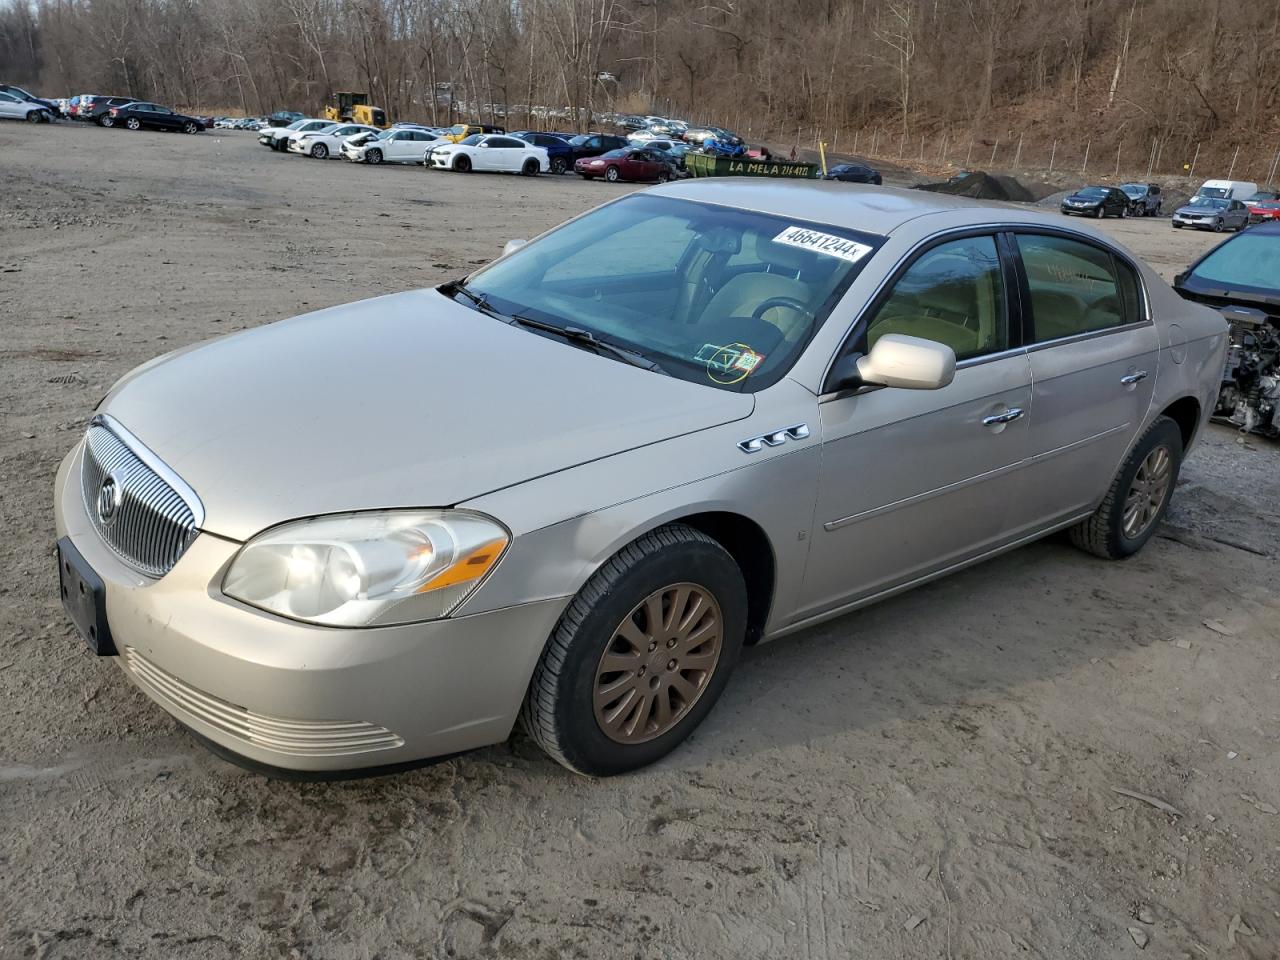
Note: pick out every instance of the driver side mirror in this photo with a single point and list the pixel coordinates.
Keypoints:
(897, 360)
(511, 246)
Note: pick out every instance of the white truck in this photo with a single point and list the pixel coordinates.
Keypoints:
(1227, 189)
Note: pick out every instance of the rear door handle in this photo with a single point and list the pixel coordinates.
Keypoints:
(1010, 415)
(1134, 378)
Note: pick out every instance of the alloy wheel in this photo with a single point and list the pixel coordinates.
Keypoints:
(1147, 492)
(658, 663)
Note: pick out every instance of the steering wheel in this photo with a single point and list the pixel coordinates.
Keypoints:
(767, 305)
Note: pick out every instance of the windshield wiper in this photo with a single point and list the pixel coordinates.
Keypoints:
(589, 339)
(456, 287)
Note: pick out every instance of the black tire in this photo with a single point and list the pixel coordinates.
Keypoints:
(373, 156)
(663, 176)
(611, 174)
(190, 127)
(133, 123)
(558, 710)
(1102, 534)
(1101, 212)
(35, 116)
(531, 168)
(462, 163)
(559, 165)
(1176, 225)
(320, 151)
(1218, 225)
(105, 120)
(1124, 212)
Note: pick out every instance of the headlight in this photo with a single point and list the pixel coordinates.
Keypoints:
(367, 569)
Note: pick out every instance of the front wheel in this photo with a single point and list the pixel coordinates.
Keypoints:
(1138, 497)
(35, 116)
(1101, 213)
(1218, 225)
(320, 151)
(462, 163)
(373, 156)
(189, 127)
(530, 168)
(1124, 212)
(133, 123)
(611, 175)
(1177, 225)
(640, 655)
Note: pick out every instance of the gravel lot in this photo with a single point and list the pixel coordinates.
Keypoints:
(931, 777)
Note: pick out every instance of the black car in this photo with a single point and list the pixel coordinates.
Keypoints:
(1097, 202)
(1144, 199)
(97, 109)
(595, 144)
(853, 173)
(21, 94)
(135, 116)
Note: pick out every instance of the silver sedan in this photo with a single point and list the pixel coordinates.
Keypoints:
(568, 489)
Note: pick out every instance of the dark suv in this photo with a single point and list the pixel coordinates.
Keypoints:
(94, 108)
(1144, 199)
(595, 144)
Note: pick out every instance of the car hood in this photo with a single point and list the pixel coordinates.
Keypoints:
(409, 400)
(1198, 211)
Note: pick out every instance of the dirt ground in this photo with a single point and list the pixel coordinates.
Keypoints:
(933, 777)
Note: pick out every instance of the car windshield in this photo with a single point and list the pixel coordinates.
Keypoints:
(1208, 203)
(1264, 195)
(712, 294)
(1133, 190)
(579, 140)
(1250, 260)
(616, 154)
(1213, 192)
(458, 128)
(296, 125)
(1092, 193)
(472, 140)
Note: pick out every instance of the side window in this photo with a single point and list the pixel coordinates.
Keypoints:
(953, 294)
(1075, 287)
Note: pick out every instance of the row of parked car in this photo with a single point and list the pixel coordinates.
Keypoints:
(1218, 205)
(465, 147)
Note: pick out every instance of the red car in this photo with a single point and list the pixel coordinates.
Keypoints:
(629, 163)
(1264, 211)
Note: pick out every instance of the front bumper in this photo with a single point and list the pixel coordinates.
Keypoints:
(300, 697)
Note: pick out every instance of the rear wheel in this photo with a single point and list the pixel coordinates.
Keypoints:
(462, 163)
(558, 165)
(319, 151)
(373, 156)
(612, 175)
(530, 168)
(133, 123)
(640, 655)
(1138, 497)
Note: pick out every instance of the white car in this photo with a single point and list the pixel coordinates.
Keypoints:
(322, 144)
(277, 137)
(491, 151)
(398, 145)
(15, 108)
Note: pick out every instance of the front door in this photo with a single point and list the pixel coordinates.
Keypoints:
(1093, 357)
(914, 481)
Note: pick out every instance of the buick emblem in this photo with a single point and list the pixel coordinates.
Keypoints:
(109, 495)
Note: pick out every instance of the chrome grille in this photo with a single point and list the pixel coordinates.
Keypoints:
(303, 738)
(137, 510)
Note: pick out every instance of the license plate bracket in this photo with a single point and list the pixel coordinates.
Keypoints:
(84, 598)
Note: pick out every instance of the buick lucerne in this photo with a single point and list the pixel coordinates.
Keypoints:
(567, 489)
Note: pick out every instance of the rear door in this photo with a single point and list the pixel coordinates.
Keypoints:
(1094, 351)
(11, 106)
(915, 481)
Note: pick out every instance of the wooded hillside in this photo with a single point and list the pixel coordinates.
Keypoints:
(1135, 76)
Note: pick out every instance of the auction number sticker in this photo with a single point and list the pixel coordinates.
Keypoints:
(825, 243)
(729, 364)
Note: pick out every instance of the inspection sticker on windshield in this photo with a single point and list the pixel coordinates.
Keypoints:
(827, 243)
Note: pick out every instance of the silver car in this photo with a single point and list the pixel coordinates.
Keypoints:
(568, 489)
(1212, 213)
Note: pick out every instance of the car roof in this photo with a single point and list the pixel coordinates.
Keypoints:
(878, 210)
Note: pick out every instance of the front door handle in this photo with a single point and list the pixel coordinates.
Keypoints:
(1010, 415)
(1134, 378)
